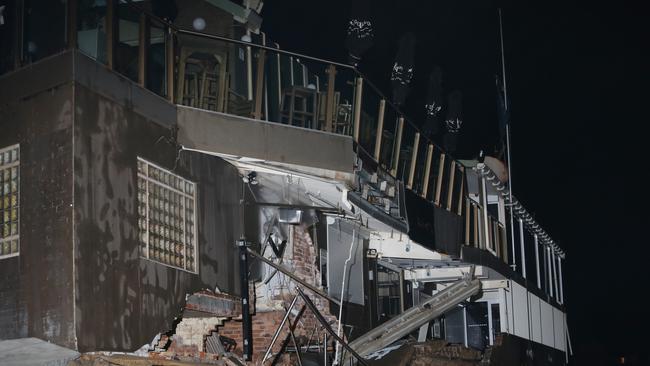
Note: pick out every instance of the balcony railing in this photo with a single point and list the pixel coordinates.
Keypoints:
(253, 79)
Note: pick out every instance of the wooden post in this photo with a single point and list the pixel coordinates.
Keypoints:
(427, 172)
(111, 33)
(462, 191)
(223, 90)
(143, 39)
(441, 168)
(398, 146)
(358, 94)
(170, 62)
(450, 191)
(414, 158)
(475, 214)
(467, 220)
(180, 86)
(380, 129)
(72, 24)
(259, 84)
(329, 109)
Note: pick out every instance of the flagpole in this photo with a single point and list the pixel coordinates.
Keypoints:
(505, 103)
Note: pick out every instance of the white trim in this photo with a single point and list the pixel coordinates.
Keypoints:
(10, 255)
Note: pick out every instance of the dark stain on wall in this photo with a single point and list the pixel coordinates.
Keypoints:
(36, 287)
(123, 300)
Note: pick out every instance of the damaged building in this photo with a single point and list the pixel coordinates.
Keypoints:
(174, 185)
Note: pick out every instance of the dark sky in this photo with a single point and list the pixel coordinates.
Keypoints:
(578, 84)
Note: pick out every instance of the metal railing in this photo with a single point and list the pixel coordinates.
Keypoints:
(256, 79)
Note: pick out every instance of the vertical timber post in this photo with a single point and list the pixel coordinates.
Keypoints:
(169, 61)
(143, 43)
(452, 181)
(380, 129)
(72, 24)
(484, 221)
(559, 268)
(414, 158)
(259, 84)
(536, 243)
(427, 171)
(522, 247)
(398, 147)
(111, 32)
(246, 325)
(329, 109)
(441, 170)
(358, 94)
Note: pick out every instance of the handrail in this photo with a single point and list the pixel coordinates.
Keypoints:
(293, 54)
(232, 40)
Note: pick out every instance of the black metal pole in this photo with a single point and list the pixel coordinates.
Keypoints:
(247, 334)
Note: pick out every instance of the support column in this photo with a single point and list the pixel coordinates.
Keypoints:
(427, 172)
(522, 247)
(398, 146)
(246, 325)
(539, 279)
(550, 272)
(358, 94)
(169, 63)
(557, 297)
(111, 32)
(485, 230)
(559, 267)
(380, 130)
(143, 44)
(259, 87)
(414, 160)
(329, 109)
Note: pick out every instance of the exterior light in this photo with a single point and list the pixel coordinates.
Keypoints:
(198, 24)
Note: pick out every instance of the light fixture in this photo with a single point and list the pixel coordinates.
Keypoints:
(289, 215)
(246, 38)
(198, 24)
(251, 178)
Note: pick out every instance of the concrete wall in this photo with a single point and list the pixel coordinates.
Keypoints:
(36, 287)
(123, 300)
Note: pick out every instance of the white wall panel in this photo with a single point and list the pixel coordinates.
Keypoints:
(558, 320)
(520, 305)
(535, 317)
(548, 334)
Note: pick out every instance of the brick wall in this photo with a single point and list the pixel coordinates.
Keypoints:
(301, 258)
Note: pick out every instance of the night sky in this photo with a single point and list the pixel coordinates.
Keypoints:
(578, 85)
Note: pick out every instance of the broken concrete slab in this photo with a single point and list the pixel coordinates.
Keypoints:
(34, 351)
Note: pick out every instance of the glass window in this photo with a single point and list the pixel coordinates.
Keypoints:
(127, 46)
(166, 217)
(44, 28)
(388, 293)
(455, 325)
(91, 28)
(9, 201)
(7, 35)
(496, 320)
(156, 56)
(478, 335)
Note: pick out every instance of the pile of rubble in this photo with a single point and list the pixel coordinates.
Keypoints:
(431, 353)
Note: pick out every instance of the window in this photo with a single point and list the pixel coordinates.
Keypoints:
(167, 217)
(44, 28)
(9, 201)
